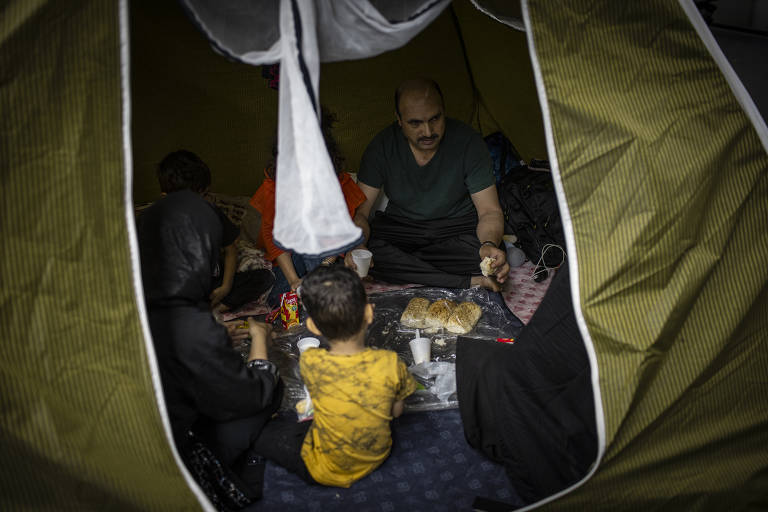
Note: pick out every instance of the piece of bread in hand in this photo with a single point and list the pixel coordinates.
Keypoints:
(438, 313)
(415, 313)
(485, 266)
(464, 318)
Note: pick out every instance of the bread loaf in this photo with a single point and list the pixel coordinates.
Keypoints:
(415, 313)
(485, 266)
(463, 318)
(438, 313)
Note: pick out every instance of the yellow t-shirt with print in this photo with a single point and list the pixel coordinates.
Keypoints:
(352, 396)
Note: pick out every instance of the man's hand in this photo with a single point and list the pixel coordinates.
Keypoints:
(499, 265)
(490, 227)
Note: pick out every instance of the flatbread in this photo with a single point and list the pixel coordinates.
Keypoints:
(438, 313)
(415, 312)
(464, 318)
(485, 266)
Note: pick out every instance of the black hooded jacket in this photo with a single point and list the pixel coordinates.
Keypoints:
(180, 238)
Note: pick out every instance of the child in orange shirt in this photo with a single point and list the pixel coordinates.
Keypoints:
(289, 268)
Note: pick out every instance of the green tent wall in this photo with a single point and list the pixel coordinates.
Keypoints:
(81, 425)
(661, 177)
(666, 180)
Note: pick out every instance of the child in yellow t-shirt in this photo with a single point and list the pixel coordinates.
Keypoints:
(355, 390)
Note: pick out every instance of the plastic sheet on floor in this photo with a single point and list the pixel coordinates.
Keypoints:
(386, 332)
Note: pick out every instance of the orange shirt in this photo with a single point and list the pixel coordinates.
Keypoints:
(264, 201)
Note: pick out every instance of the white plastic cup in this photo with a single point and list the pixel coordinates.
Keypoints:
(305, 343)
(420, 348)
(362, 259)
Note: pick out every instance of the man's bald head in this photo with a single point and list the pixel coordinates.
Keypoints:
(425, 88)
(421, 116)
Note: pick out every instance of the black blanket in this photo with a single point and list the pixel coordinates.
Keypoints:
(529, 405)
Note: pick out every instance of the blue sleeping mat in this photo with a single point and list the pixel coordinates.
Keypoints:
(431, 468)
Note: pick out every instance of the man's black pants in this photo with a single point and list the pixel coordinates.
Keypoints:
(441, 252)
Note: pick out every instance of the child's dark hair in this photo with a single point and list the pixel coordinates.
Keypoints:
(335, 298)
(183, 170)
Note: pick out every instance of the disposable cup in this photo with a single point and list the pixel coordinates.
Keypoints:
(362, 259)
(420, 348)
(305, 343)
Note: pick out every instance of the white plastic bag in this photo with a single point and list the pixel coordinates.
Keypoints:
(444, 375)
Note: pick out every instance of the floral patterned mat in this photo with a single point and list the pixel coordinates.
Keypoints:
(521, 293)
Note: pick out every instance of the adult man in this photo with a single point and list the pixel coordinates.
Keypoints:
(443, 215)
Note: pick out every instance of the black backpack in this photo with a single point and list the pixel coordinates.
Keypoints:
(527, 197)
(504, 155)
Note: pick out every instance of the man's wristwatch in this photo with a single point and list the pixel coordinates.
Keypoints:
(264, 364)
(488, 242)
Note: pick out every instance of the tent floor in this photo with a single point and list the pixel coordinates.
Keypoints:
(431, 468)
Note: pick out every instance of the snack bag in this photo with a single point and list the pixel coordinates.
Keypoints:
(272, 315)
(289, 309)
(305, 409)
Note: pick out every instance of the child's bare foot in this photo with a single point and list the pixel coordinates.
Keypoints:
(485, 282)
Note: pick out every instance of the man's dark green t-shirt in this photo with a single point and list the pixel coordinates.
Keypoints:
(441, 189)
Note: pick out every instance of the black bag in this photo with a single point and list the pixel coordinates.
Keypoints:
(504, 155)
(527, 197)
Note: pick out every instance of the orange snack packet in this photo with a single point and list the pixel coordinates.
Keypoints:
(289, 309)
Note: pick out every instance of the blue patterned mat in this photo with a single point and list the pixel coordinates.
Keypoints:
(431, 468)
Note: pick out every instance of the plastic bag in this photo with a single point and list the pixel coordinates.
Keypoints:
(387, 332)
(441, 376)
(438, 377)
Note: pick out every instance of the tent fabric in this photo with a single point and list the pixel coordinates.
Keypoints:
(502, 11)
(661, 179)
(663, 185)
(307, 195)
(224, 111)
(81, 424)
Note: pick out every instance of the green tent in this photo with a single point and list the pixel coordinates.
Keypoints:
(660, 164)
